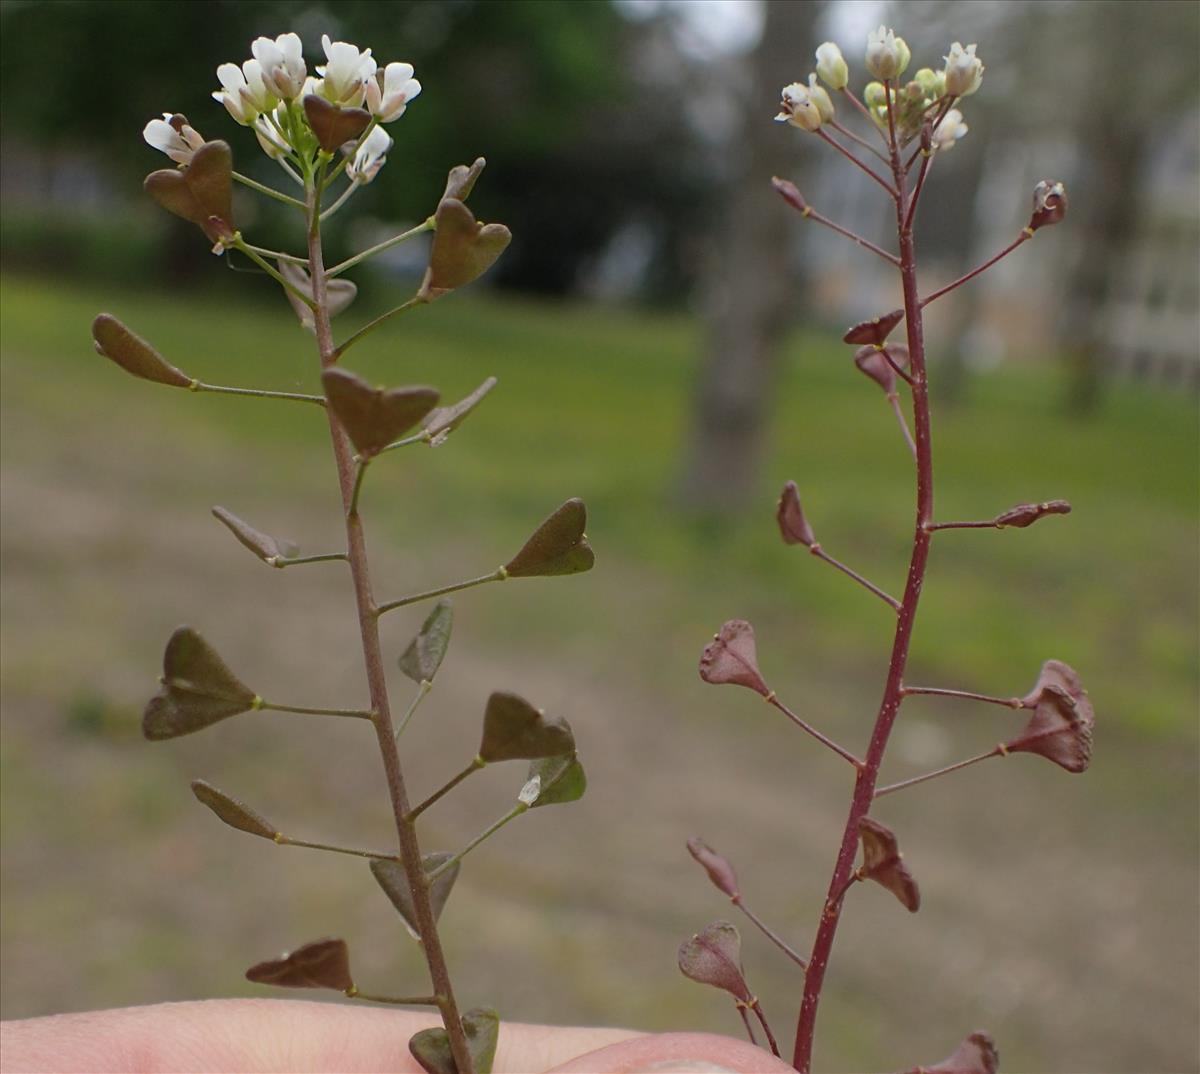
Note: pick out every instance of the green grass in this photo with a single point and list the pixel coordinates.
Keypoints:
(595, 403)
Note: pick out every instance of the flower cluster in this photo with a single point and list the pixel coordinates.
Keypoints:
(922, 104)
(270, 93)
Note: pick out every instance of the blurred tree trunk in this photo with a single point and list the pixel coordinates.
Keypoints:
(751, 287)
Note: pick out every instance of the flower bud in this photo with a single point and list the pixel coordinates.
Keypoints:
(963, 72)
(793, 526)
(174, 136)
(720, 872)
(282, 64)
(1049, 204)
(820, 98)
(887, 54)
(797, 108)
(875, 95)
(1026, 514)
(831, 66)
(932, 82)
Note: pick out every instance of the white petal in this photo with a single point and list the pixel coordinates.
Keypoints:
(230, 76)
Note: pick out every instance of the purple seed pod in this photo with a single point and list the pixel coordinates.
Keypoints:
(1061, 726)
(719, 870)
(883, 863)
(875, 330)
(1049, 204)
(793, 526)
(732, 657)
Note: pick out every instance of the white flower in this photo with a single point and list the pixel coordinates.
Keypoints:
(950, 130)
(272, 142)
(346, 73)
(831, 66)
(172, 135)
(390, 90)
(887, 54)
(820, 98)
(371, 156)
(798, 108)
(282, 62)
(243, 91)
(963, 71)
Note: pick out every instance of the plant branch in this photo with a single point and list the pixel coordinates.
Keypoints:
(756, 1007)
(848, 133)
(926, 164)
(447, 787)
(770, 933)
(990, 524)
(863, 111)
(995, 751)
(295, 561)
(898, 410)
(821, 554)
(489, 831)
(422, 691)
(937, 691)
(404, 307)
(498, 575)
(269, 191)
(403, 1001)
(868, 773)
(427, 225)
(804, 725)
(284, 841)
(360, 472)
(809, 213)
(268, 706)
(422, 437)
(409, 845)
(345, 196)
(240, 244)
(855, 161)
(741, 1009)
(279, 255)
(1025, 236)
(259, 393)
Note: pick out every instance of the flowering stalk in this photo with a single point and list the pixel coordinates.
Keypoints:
(1061, 725)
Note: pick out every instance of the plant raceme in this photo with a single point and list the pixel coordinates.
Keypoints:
(911, 124)
(321, 128)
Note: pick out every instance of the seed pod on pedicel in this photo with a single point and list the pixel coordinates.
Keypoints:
(975, 1055)
(873, 361)
(463, 249)
(558, 546)
(431, 1047)
(201, 193)
(390, 876)
(732, 657)
(1026, 514)
(875, 330)
(374, 417)
(1061, 726)
(514, 730)
(1049, 204)
(714, 957)
(793, 526)
(883, 863)
(116, 342)
(320, 964)
(461, 180)
(339, 293)
(334, 126)
(719, 870)
(442, 421)
(790, 193)
(425, 653)
(233, 812)
(267, 548)
(198, 689)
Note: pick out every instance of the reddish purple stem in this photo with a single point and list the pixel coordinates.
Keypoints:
(820, 553)
(1025, 236)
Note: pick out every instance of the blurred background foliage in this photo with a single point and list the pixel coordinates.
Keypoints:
(665, 333)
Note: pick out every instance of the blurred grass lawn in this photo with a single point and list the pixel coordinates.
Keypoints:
(1055, 906)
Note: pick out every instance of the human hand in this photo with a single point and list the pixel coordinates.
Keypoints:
(261, 1036)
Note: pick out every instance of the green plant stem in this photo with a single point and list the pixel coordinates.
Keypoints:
(367, 329)
(269, 191)
(427, 225)
(498, 575)
(422, 692)
(446, 788)
(284, 841)
(489, 831)
(346, 195)
(969, 695)
(990, 524)
(368, 623)
(402, 1001)
(240, 244)
(804, 725)
(268, 706)
(422, 437)
(279, 255)
(889, 707)
(295, 561)
(995, 751)
(769, 932)
(259, 393)
(821, 554)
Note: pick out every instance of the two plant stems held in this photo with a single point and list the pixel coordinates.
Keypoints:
(409, 846)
